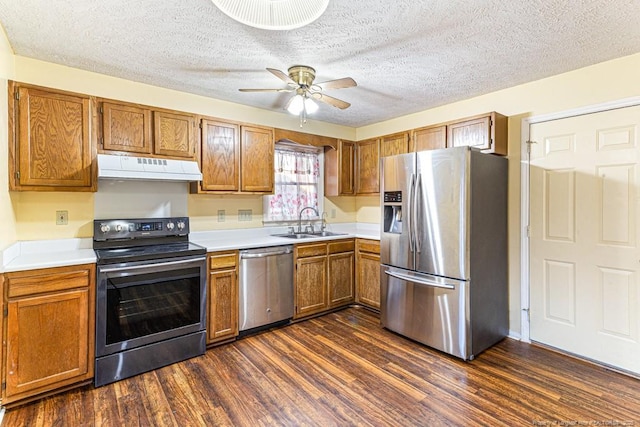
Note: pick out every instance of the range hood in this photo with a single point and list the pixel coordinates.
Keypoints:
(144, 168)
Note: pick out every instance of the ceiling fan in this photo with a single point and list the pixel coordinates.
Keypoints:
(300, 80)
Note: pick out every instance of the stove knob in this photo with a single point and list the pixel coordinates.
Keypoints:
(170, 226)
(105, 228)
(118, 227)
(181, 225)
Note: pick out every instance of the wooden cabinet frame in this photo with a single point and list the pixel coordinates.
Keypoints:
(242, 163)
(368, 273)
(339, 174)
(324, 276)
(134, 129)
(43, 357)
(222, 296)
(62, 160)
(368, 167)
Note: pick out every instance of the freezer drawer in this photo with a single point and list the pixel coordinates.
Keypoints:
(429, 309)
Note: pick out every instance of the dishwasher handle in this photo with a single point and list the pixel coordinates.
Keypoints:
(264, 254)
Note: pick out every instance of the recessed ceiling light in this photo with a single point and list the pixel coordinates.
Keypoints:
(273, 14)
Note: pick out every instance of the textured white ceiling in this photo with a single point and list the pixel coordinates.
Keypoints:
(406, 56)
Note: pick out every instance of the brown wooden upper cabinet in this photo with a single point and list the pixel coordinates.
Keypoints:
(138, 129)
(339, 176)
(50, 140)
(256, 157)
(368, 166)
(220, 156)
(487, 132)
(428, 138)
(235, 158)
(398, 143)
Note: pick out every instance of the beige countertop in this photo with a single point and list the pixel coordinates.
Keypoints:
(31, 255)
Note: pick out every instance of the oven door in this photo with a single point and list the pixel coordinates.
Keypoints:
(149, 301)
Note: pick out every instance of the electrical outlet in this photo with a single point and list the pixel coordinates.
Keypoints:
(245, 214)
(62, 217)
(333, 213)
(221, 215)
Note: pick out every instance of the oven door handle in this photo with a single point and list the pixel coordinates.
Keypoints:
(138, 267)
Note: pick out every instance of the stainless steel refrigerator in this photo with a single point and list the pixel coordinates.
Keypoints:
(443, 248)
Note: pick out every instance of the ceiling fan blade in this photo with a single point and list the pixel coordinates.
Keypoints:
(337, 84)
(282, 76)
(265, 90)
(331, 100)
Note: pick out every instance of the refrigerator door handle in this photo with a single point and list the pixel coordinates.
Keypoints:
(418, 280)
(411, 203)
(414, 214)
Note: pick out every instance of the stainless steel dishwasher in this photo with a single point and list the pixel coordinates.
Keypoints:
(266, 287)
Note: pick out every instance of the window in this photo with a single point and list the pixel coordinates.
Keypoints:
(298, 183)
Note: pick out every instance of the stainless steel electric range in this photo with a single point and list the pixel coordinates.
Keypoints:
(150, 296)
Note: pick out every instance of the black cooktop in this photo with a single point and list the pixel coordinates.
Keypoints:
(142, 239)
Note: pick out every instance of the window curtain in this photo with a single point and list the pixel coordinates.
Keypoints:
(296, 185)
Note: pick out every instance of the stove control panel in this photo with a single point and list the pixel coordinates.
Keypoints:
(139, 228)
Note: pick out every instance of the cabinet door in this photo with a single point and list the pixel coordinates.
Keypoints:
(53, 142)
(47, 342)
(126, 128)
(311, 285)
(256, 154)
(341, 276)
(429, 138)
(223, 305)
(347, 159)
(339, 169)
(174, 134)
(368, 167)
(368, 280)
(475, 133)
(220, 156)
(391, 145)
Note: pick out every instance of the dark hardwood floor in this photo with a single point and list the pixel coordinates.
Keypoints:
(344, 369)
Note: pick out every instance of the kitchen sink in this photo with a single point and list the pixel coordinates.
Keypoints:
(325, 234)
(295, 236)
(310, 235)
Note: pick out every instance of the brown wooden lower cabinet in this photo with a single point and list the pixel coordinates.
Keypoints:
(222, 296)
(50, 330)
(324, 277)
(368, 274)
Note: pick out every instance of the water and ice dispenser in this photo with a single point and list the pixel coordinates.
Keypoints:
(392, 212)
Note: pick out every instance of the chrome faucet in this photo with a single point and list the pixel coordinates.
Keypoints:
(300, 216)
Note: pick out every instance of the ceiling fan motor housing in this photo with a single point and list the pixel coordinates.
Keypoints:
(302, 74)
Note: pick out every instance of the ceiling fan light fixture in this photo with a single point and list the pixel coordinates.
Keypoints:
(296, 105)
(310, 105)
(273, 14)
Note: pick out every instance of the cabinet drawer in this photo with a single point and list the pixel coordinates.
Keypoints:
(223, 260)
(341, 246)
(372, 246)
(316, 249)
(49, 280)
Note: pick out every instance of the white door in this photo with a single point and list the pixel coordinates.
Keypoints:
(584, 256)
